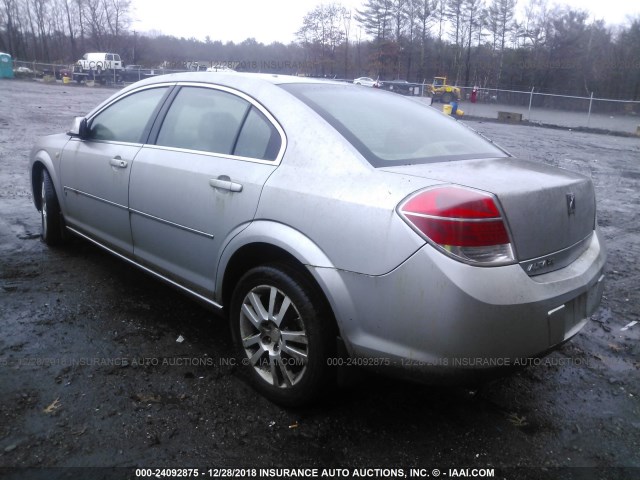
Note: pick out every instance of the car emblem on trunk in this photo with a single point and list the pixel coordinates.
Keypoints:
(571, 203)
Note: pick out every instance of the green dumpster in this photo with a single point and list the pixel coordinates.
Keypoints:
(6, 65)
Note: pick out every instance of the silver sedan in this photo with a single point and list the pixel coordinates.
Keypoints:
(332, 225)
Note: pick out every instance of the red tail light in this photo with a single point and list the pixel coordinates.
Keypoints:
(465, 223)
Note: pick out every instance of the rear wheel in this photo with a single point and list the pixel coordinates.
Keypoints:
(446, 97)
(283, 334)
(51, 218)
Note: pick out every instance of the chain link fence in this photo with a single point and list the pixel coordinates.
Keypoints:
(49, 72)
(532, 106)
(561, 110)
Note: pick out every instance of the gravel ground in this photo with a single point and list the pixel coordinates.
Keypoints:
(92, 374)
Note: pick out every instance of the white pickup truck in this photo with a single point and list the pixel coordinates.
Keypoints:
(102, 66)
(100, 61)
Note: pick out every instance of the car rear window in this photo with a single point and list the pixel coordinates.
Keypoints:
(389, 129)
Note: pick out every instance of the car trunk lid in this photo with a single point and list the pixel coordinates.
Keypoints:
(548, 210)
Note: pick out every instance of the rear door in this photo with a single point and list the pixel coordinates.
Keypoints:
(201, 181)
(95, 170)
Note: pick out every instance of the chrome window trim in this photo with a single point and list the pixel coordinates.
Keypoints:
(253, 102)
(95, 113)
(211, 154)
(100, 109)
(109, 142)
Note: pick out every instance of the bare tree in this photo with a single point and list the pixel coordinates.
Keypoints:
(346, 23)
(402, 27)
(117, 15)
(375, 18)
(455, 16)
(9, 10)
(423, 16)
(399, 18)
(41, 16)
(322, 31)
(440, 13)
(95, 22)
(71, 13)
(536, 24)
(473, 11)
(81, 22)
(500, 21)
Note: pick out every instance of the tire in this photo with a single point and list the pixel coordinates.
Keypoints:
(446, 97)
(283, 334)
(51, 217)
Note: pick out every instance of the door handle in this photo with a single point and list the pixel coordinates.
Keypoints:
(225, 183)
(118, 162)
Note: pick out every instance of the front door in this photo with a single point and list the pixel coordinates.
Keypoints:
(95, 170)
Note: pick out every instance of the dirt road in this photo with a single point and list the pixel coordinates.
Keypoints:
(92, 373)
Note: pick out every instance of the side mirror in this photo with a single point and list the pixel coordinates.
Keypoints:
(79, 128)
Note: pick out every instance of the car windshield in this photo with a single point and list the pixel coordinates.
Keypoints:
(388, 129)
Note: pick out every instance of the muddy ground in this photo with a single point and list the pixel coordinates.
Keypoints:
(92, 374)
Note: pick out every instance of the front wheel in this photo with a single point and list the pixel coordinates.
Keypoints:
(51, 218)
(447, 97)
(283, 334)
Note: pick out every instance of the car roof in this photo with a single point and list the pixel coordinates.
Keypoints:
(257, 85)
(227, 77)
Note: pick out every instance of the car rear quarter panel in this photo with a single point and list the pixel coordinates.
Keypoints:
(330, 194)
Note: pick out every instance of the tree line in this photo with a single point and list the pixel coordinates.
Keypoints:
(472, 42)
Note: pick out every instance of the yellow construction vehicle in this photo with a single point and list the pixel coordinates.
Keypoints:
(442, 92)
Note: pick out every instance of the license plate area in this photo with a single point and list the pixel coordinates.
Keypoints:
(567, 320)
(576, 312)
(594, 295)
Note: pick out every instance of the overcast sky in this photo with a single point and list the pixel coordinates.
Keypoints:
(278, 20)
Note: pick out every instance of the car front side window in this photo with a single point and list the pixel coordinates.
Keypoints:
(126, 119)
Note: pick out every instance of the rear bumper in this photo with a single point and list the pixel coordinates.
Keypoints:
(433, 314)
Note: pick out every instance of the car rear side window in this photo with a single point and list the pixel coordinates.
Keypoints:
(388, 129)
(126, 119)
(203, 119)
(258, 138)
